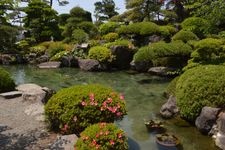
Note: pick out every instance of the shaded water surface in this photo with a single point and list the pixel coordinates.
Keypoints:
(143, 94)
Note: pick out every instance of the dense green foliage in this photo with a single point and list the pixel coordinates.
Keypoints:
(199, 87)
(102, 136)
(6, 82)
(171, 88)
(184, 36)
(125, 43)
(56, 47)
(111, 37)
(108, 27)
(199, 26)
(100, 53)
(79, 36)
(141, 28)
(161, 49)
(78, 107)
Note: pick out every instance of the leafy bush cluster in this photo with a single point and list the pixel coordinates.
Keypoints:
(198, 87)
(141, 28)
(161, 49)
(73, 109)
(108, 27)
(111, 37)
(56, 47)
(59, 55)
(167, 31)
(6, 82)
(100, 53)
(102, 136)
(184, 36)
(79, 36)
(197, 25)
(38, 49)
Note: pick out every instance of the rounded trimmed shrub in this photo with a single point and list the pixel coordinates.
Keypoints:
(79, 36)
(56, 47)
(102, 136)
(6, 82)
(198, 87)
(111, 37)
(39, 49)
(73, 109)
(161, 49)
(100, 53)
(167, 31)
(108, 27)
(184, 36)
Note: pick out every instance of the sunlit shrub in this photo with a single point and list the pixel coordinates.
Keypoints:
(73, 109)
(100, 53)
(198, 87)
(111, 37)
(184, 36)
(102, 136)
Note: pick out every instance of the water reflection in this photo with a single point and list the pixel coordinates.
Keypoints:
(143, 94)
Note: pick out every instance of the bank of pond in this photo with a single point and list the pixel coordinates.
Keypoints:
(128, 100)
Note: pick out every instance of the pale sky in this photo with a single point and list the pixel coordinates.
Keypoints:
(86, 5)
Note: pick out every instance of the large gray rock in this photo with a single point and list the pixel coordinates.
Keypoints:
(141, 66)
(206, 119)
(169, 109)
(69, 61)
(220, 136)
(34, 93)
(12, 94)
(91, 65)
(161, 71)
(49, 65)
(124, 56)
(221, 123)
(65, 142)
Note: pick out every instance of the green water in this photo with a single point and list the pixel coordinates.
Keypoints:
(143, 94)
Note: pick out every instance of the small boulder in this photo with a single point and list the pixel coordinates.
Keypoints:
(169, 109)
(49, 65)
(65, 142)
(124, 56)
(91, 65)
(12, 94)
(7, 59)
(220, 140)
(42, 59)
(207, 119)
(69, 61)
(161, 71)
(141, 66)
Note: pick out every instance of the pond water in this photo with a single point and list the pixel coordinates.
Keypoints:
(143, 94)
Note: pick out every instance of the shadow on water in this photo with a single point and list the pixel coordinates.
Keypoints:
(133, 145)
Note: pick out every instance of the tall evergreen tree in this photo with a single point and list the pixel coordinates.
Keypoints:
(105, 10)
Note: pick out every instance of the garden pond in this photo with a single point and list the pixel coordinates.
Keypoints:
(143, 94)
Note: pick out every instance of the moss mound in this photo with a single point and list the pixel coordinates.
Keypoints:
(199, 87)
(73, 109)
(6, 82)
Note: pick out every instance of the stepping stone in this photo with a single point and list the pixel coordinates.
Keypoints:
(11, 94)
(50, 64)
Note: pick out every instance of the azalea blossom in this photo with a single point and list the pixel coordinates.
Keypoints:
(121, 96)
(83, 103)
(111, 142)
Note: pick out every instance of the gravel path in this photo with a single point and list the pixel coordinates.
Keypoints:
(19, 131)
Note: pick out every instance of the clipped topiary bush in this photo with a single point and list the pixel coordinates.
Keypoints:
(73, 109)
(184, 36)
(100, 53)
(198, 87)
(197, 25)
(141, 28)
(59, 55)
(79, 36)
(111, 37)
(108, 27)
(167, 31)
(6, 82)
(159, 50)
(102, 136)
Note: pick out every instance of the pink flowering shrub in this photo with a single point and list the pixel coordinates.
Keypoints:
(102, 136)
(73, 109)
